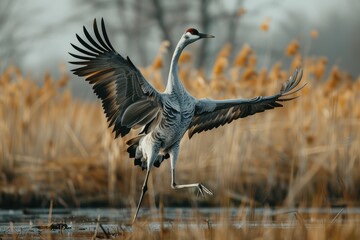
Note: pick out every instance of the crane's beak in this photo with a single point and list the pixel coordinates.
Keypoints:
(204, 35)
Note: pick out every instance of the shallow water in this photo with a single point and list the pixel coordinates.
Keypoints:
(74, 223)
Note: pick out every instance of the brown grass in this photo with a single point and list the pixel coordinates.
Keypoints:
(55, 147)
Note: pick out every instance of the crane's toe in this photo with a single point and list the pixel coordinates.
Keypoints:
(203, 190)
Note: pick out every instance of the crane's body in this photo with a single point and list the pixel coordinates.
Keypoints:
(130, 102)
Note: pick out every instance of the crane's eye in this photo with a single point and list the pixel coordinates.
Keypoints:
(193, 31)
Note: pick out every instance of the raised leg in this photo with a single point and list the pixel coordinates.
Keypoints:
(201, 188)
(144, 189)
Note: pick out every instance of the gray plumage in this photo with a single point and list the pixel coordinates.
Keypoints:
(130, 102)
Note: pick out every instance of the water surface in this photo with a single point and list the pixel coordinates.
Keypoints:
(70, 223)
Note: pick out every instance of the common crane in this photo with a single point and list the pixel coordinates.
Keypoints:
(130, 102)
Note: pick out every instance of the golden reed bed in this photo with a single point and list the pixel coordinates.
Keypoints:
(56, 147)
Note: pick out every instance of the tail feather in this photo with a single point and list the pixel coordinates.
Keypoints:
(135, 140)
(132, 151)
(160, 159)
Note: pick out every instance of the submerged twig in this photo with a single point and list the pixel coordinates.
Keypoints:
(337, 215)
(96, 228)
(107, 235)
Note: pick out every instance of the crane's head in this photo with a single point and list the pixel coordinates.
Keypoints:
(191, 35)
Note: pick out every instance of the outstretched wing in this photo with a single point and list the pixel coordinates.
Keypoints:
(128, 100)
(211, 114)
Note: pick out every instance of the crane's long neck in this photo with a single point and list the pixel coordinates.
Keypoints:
(174, 84)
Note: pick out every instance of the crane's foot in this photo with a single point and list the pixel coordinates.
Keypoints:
(203, 190)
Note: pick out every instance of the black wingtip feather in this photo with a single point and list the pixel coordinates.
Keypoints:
(105, 34)
(85, 44)
(77, 63)
(93, 42)
(80, 57)
(99, 38)
(83, 51)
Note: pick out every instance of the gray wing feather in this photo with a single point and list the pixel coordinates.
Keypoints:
(139, 113)
(211, 114)
(117, 82)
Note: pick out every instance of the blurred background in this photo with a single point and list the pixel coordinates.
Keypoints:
(56, 146)
(36, 35)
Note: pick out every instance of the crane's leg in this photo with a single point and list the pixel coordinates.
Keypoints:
(202, 189)
(151, 151)
(173, 157)
(144, 189)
